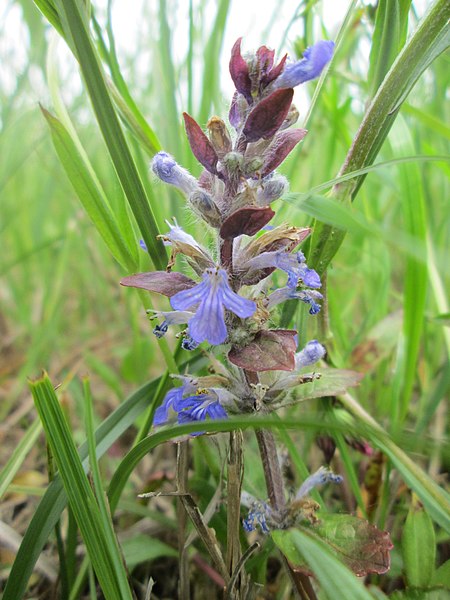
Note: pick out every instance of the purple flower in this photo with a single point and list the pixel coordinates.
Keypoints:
(289, 293)
(173, 317)
(258, 515)
(210, 297)
(169, 171)
(321, 476)
(293, 264)
(171, 399)
(200, 406)
(309, 67)
(311, 353)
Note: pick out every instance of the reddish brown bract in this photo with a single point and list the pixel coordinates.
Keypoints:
(201, 147)
(268, 116)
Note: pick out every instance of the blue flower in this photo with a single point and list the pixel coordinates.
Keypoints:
(210, 297)
(311, 353)
(170, 401)
(289, 293)
(309, 67)
(200, 406)
(321, 476)
(171, 317)
(169, 171)
(293, 264)
(257, 515)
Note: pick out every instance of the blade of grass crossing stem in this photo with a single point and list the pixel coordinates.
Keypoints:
(91, 196)
(435, 499)
(18, 455)
(211, 79)
(328, 569)
(114, 227)
(105, 514)
(129, 111)
(389, 35)
(76, 28)
(54, 501)
(415, 278)
(107, 563)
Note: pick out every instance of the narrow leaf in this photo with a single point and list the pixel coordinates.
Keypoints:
(160, 282)
(201, 147)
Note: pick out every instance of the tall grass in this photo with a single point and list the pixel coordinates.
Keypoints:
(62, 309)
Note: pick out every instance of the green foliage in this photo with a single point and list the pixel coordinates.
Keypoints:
(385, 255)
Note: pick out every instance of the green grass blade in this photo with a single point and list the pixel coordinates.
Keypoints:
(430, 39)
(388, 38)
(76, 29)
(18, 455)
(91, 196)
(105, 515)
(54, 501)
(211, 81)
(415, 288)
(106, 562)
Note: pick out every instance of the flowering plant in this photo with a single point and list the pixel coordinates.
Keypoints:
(233, 298)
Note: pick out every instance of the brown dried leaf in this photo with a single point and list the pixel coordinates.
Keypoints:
(246, 221)
(271, 350)
(161, 282)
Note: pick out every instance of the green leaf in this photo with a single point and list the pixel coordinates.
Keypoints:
(103, 553)
(54, 501)
(442, 575)
(388, 38)
(77, 35)
(88, 190)
(418, 546)
(430, 39)
(18, 455)
(142, 548)
(359, 545)
(305, 547)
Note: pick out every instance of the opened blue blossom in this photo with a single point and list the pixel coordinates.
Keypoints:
(211, 297)
(169, 171)
(289, 293)
(293, 264)
(173, 317)
(200, 406)
(315, 58)
(258, 515)
(170, 401)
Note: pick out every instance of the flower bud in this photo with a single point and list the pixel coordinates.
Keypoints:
(169, 171)
(205, 207)
(252, 165)
(219, 136)
(271, 190)
(233, 161)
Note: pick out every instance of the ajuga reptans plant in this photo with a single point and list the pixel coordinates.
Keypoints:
(232, 299)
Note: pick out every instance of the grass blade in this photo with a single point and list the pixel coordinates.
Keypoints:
(77, 33)
(104, 556)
